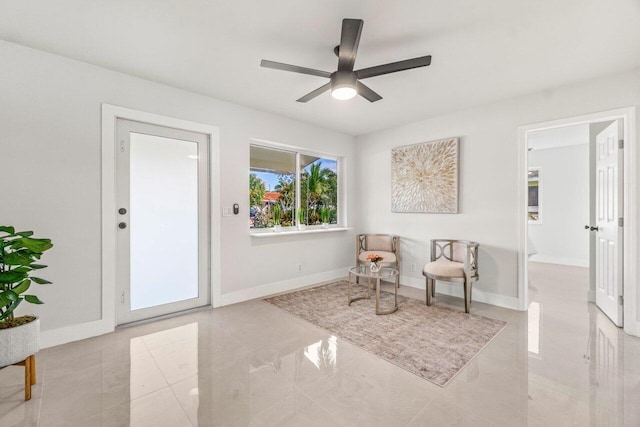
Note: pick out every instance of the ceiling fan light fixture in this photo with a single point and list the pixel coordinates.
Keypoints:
(344, 93)
(343, 85)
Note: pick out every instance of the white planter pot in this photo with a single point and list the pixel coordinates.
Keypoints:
(19, 343)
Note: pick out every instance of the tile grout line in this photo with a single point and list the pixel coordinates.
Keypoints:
(157, 366)
(168, 384)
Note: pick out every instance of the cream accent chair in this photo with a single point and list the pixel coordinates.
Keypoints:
(452, 261)
(385, 245)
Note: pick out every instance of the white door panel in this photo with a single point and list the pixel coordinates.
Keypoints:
(162, 244)
(609, 233)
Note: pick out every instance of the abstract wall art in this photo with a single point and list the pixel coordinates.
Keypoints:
(424, 177)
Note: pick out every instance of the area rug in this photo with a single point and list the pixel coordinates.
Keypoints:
(434, 342)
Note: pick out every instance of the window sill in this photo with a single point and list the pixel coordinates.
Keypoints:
(271, 233)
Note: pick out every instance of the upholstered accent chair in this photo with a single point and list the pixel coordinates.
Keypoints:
(452, 261)
(385, 245)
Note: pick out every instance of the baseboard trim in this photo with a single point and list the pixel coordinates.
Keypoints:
(456, 290)
(273, 288)
(95, 328)
(72, 333)
(576, 262)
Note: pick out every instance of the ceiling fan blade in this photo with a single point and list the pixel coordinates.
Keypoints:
(349, 41)
(367, 93)
(315, 93)
(294, 68)
(394, 67)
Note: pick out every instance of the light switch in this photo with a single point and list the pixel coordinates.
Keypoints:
(227, 211)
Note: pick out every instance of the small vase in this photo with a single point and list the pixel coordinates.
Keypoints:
(325, 225)
(277, 228)
(375, 267)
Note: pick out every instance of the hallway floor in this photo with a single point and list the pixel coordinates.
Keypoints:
(561, 364)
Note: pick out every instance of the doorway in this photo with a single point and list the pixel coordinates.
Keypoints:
(573, 211)
(610, 219)
(162, 197)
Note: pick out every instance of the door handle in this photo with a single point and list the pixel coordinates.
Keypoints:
(591, 228)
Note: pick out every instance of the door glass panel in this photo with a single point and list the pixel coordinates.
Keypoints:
(164, 220)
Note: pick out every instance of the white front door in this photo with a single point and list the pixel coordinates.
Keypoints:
(163, 213)
(609, 245)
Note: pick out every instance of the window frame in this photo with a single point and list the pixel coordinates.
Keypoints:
(341, 223)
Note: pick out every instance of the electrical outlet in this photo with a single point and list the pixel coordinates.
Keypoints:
(299, 268)
(413, 268)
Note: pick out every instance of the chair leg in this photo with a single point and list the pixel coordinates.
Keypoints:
(433, 288)
(467, 295)
(429, 291)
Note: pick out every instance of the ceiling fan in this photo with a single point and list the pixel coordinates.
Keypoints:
(345, 83)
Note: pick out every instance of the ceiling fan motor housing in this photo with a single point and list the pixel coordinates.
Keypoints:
(341, 79)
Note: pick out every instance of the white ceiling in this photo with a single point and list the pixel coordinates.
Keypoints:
(559, 137)
(482, 51)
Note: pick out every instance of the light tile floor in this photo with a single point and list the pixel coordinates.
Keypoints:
(561, 364)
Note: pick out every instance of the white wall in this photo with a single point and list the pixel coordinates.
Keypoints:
(488, 176)
(50, 130)
(50, 147)
(560, 237)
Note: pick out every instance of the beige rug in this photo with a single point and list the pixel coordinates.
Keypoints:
(434, 342)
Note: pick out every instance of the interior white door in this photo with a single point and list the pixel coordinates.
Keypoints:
(609, 244)
(163, 211)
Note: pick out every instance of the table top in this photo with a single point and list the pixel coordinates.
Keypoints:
(364, 271)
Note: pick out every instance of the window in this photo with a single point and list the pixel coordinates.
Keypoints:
(533, 211)
(288, 188)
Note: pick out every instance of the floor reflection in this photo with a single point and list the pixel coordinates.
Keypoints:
(578, 373)
(159, 363)
(323, 354)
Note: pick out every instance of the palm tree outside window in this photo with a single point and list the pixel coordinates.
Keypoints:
(304, 185)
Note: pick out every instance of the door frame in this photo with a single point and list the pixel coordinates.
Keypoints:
(630, 209)
(110, 114)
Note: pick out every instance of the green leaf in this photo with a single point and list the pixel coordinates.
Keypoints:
(40, 281)
(4, 301)
(35, 245)
(9, 295)
(37, 266)
(10, 309)
(22, 287)
(22, 257)
(32, 299)
(12, 276)
(25, 233)
(7, 229)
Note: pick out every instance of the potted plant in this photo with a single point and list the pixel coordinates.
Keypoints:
(325, 216)
(301, 224)
(19, 253)
(276, 213)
